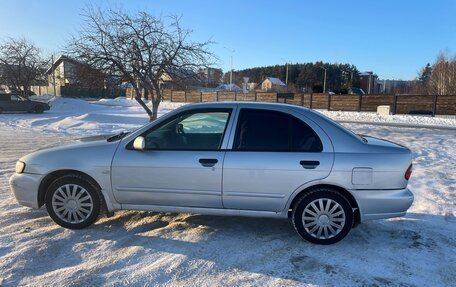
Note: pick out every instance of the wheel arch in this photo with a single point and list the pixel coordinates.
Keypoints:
(51, 177)
(351, 199)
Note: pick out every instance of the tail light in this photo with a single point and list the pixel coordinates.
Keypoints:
(408, 173)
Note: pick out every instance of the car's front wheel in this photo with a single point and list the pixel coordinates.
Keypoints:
(39, 109)
(73, 202)
(322, 216)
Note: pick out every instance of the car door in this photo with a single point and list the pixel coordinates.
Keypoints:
(16, 103)
(181, 164)
(5, 102)
(272, 154)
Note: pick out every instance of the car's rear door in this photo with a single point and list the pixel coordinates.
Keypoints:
(181, 165)
(272, 154)
(16, 103)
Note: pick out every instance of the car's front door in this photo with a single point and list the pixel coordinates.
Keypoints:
(180, 166)
(273, 154)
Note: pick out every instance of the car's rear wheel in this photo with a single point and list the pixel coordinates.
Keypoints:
(73, 202)
(39, 109)
(322, 216)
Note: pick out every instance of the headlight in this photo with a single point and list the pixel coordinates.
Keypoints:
(20, 166)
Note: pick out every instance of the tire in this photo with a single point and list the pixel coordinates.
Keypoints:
(39, 109)
(73, 202)
(326, 225)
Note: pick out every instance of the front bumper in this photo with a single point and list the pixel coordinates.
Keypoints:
(377, 204)
(25, 188)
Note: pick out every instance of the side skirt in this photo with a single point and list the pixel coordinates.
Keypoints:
(205, 211)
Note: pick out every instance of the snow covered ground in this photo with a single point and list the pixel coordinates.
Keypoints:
(149, 248)
(78, 118)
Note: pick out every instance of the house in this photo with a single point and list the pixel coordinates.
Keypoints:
(252, 86)
(69, 72)
(180, 79)
(271, 83)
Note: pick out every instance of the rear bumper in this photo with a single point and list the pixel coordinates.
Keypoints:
(377, 204)
(25, 188)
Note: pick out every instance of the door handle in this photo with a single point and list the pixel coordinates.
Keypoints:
(208, 162)
(309, 164)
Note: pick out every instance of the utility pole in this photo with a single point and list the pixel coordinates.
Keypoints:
(53, 74)
(286, 74)
(231, 66)
(324, 81)
(231, 72)
(369, 86)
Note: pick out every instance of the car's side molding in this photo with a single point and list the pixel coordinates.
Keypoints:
(206, 211)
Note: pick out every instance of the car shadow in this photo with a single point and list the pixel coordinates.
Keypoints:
(268, 247)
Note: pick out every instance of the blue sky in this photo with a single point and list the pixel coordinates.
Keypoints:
(393, 38)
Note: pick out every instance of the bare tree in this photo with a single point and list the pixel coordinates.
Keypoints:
(21, 64)
(140, 48)
(443, 77)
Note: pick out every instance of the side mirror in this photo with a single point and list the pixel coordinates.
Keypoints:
(139, 143)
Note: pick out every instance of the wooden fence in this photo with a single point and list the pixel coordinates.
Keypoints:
(399, 104)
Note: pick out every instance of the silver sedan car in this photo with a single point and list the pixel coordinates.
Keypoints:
(232, 158)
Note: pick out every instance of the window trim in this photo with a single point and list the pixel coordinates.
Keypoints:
(290, 136)
(129, 146)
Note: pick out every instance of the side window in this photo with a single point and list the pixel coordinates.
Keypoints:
(15, 98)
(262, 130)
(190, 131)
(303, 137)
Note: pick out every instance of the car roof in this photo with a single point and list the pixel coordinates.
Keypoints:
(10, 94)
(243, 104)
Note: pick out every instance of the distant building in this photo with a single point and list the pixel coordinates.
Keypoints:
(229, 87)
(368, 82)
(356, 91)
(398, 87)
(211, 77)
(69, 72)
(252, 86)
(180, 79)
(271, 83)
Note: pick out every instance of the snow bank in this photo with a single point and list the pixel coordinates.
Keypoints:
(373, 117)
(81, 117)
